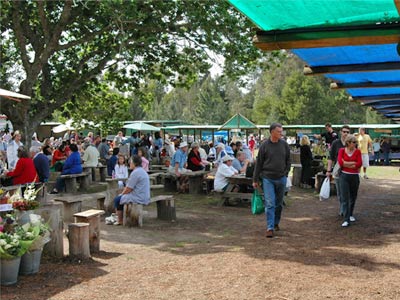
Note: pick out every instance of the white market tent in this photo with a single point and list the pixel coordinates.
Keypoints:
(141, 126)
(12, 95)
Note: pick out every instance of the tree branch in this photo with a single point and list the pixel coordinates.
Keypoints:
(43, 20)
(20, 36)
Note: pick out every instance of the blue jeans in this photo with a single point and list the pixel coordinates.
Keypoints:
(338, 191)
(376, 158)
(349, 184)
(274, 190)
(386, 157)
(117, 200)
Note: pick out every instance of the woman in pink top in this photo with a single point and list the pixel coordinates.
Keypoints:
(350, 161)
(142, 154)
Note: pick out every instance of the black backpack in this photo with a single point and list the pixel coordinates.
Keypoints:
(250, 170)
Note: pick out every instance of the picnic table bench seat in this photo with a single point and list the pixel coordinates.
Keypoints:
(133, 212)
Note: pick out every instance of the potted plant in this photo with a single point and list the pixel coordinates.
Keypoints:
(11, 250)
(24, 204)
(35, 235)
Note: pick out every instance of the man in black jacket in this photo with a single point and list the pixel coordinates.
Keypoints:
(272, 167)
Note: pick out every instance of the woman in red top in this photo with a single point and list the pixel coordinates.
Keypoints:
(349, 159)
(24, 171)
(59, 157)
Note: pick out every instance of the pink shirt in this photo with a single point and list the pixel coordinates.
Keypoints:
(145, 164)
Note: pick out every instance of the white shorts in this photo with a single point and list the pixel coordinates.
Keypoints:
(365, 160)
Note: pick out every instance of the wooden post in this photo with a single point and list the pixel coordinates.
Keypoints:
(296, 178)
(92, 217)
(166, 210)
(78, 237)
(51, 213)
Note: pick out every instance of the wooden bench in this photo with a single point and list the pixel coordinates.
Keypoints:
(92, 217)
(133, 212)
(92, 170)
(155, 178)
(71, 182)
(72, 204)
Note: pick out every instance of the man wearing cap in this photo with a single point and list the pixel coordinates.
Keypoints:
(224, 171)
(178, 166)
(272, 167)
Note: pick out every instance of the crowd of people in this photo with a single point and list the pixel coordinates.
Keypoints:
(73, 152)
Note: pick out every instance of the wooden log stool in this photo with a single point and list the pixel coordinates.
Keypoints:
(92, 217)
(133, 215)
(78, 237)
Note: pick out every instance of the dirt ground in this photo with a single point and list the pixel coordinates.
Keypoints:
(213, 252)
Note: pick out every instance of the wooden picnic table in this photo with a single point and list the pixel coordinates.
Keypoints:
(233, 182)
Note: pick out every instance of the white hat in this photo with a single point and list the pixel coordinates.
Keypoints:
(183, 144)
(220, 145)
(227, 157)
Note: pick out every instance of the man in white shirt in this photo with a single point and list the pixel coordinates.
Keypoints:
(90, 156)
(225, 170)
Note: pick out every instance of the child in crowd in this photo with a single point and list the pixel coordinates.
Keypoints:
(121, 170)
(142, 154)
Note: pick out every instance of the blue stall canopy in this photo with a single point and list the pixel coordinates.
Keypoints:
(356, 44)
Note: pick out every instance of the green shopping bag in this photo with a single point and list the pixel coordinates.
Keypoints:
(257, 203)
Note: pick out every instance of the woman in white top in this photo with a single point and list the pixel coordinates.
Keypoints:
(121, 170)
(225, 170)
(12, 150)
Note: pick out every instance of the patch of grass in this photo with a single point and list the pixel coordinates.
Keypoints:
(179, 244)
(383, 172)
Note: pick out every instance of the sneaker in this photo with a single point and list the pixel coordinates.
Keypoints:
(117, 224)
(345, 224)
(53, 192)
(276, 227)
(352, 219)
(365, 176)
(269, 233)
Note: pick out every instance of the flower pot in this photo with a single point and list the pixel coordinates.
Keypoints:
(23, 216)
(9, 270)
(30, 262)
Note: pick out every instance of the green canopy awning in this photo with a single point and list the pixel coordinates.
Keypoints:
(238, 121)
(290, 14)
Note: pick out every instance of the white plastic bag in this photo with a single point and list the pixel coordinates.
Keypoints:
(288, 183)
(325, 190)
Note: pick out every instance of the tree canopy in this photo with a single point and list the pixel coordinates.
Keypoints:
(57, 50)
